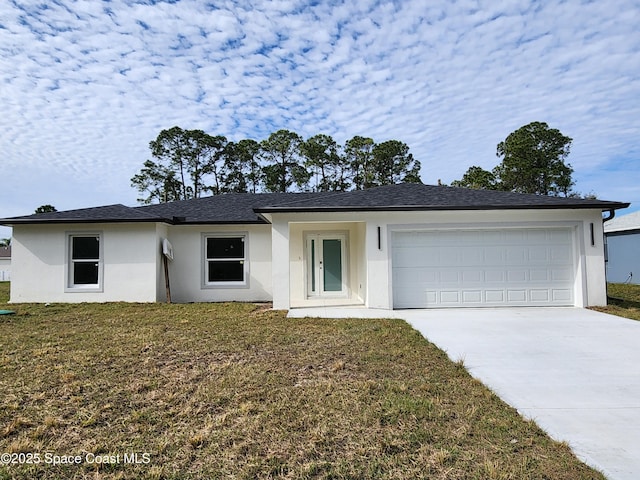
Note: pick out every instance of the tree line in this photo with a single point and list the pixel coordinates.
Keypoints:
(533, 161)
(191, 163)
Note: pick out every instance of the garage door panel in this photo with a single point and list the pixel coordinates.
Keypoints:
(493, 255)
(412, 298)
(561, 295)
(472, 296)
(539, 275)
(516, 296)
(494, 276)
(423, 238)
(428, 276)
(469, 237)
(560, 253)
(562, 236)
(416, 276)
(472, 276)
(432, 297)
(449, 277)
(494, 296)
(515, 255)
(483, 267)
(561, 275)
(472, 256)
(515, 236)
(416, 257)
(539, 295)
(402, 257)
(451, 297)
(539, 255)
(537, 236)
(515, 276)
(448, 256)
(406, 275)
(491, 237)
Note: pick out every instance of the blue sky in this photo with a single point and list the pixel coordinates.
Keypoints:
(86, 84)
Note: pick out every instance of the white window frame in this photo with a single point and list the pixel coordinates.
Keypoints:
(245, 261)
(70, 285)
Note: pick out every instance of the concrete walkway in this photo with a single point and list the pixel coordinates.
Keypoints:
(575, 372)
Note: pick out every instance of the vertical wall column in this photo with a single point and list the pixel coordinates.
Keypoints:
(596, 278)
(378, 284)
(280, 263)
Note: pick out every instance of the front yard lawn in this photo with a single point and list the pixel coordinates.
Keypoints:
(237, 391)
(623, 300)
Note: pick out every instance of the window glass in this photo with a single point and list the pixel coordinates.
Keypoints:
(225, 247)
(230, 271)
(332, 256)
(85, 248)
(313, 265)
(85, 273)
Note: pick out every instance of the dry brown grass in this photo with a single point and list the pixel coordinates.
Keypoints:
(234, 391)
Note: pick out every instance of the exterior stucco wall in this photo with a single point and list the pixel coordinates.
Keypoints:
(359, 252)
(280, 262)
(40, 256)
(623, 257)
(162, 232)
(589, 287)
(133, 270)
(186, 271)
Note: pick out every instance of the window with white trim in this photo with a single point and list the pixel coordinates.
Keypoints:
(225, 260)
(85, 261)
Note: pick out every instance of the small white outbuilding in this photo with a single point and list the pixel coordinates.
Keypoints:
(623, 248)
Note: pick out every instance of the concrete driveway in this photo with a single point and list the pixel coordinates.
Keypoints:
(575, 372)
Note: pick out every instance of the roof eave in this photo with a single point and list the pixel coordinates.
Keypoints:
(257, 221)
(623, 231)
(261, 218)
(9, 222)
(413, 208)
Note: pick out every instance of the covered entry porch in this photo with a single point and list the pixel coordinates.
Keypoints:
(325, 262)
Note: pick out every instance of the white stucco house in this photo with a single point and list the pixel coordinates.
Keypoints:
(623, 248)
(390, 247)
(5, 264)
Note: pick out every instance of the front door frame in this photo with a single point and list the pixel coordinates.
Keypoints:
(314, 261)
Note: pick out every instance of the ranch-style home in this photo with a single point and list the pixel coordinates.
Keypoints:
(389, 247)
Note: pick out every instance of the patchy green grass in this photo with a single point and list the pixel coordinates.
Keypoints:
(237, 391)
(623, 300)
(623, 292)
(4, 292)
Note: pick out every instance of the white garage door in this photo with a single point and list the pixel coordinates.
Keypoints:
(505, 267)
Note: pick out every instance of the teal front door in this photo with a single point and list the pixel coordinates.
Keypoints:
(326, 265)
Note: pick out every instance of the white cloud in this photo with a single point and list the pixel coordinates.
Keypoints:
(86, 85)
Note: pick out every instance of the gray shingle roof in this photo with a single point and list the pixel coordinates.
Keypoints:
(228, 208)
(107, 213)
(246, 207)
(414, 196)
(623, 223)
